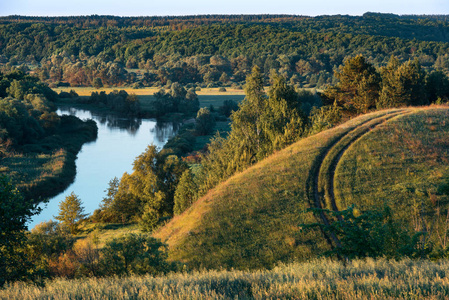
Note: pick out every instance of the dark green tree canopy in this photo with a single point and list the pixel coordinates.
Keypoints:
(15, 212)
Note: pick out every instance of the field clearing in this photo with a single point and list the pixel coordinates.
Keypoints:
(317, 279)
(86, 91)
(207, 97)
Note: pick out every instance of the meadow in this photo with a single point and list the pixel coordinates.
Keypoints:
(316, 279)
(409, 176)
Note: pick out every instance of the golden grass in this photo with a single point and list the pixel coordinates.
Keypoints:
(87, 91)
(401, 163)
(252, 219)
(317, 279)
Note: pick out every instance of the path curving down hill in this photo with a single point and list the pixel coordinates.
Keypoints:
(255, 218)
(322, 177)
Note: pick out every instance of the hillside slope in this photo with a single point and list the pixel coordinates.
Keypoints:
(253, 219)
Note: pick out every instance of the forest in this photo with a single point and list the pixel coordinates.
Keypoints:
(302, 77)
(213, 50)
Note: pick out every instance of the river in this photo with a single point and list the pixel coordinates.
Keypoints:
(119, 142)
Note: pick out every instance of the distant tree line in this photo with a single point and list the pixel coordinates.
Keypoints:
(214, 50)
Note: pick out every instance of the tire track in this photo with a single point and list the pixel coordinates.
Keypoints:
(316, 195)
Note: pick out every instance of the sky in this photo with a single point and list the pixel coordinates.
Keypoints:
(196, 7)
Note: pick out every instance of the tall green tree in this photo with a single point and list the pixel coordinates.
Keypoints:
(247, 123)
(148, 192)
(402, 84)
(71, 212)
(15, 212)
(186, 192)
(358, 86)
(283, 120)
(437, 87)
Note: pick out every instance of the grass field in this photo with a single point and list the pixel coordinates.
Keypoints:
(317, 279)
(30, 171)
(253, 219)
(207, 97)
(86, 91)
(408, 176)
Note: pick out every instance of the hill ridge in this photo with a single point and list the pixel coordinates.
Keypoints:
(253, 219)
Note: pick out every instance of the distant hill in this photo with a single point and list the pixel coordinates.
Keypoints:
(398, 157)
(214, 50)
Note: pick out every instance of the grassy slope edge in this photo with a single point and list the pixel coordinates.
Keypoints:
(253, 219)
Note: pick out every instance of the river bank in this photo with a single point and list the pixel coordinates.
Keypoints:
(120, 140)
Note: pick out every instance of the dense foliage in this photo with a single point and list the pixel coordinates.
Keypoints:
(214, 50)
(15, 212)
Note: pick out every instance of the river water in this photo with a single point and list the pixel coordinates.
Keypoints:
(119, 142)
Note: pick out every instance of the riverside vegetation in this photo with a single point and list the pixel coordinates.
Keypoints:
(273, 189)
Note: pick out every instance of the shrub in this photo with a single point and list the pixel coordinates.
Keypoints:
(134, 254)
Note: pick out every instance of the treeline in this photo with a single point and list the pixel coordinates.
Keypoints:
(362, 87)
(214, 50)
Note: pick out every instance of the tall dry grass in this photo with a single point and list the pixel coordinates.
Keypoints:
(317, 279)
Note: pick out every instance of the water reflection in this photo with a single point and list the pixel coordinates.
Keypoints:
(162, 130)
(131, 125)
(120, 140)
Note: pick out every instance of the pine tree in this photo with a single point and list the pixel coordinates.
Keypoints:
(71, 212)
(402, 84)
(358, 87)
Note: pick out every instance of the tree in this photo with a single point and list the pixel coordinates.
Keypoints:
(358, 87)
(71, 212)
(147, 194)
(402, 84)
(106, 213)
(97, 83)
(247, 122)
(186, 192)
(205, 122)
(15, 212)
(437, 86)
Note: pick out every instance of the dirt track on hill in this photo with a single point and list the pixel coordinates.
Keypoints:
(334, 152)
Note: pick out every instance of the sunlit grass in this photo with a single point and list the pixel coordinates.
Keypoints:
(317, 279)
(402, 163)
(86, 91)
(253, 219)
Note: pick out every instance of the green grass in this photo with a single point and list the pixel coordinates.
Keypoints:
(318, 279)
(29, 171)
(402, 163)
(104, 232)
(46, 167)
(253, 219)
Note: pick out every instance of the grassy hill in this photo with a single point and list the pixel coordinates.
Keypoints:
(252, 220)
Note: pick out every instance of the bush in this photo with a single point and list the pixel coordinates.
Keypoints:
(135, 254)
